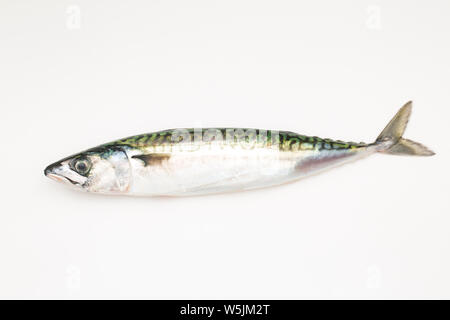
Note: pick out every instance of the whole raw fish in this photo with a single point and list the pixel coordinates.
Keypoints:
(181, 162)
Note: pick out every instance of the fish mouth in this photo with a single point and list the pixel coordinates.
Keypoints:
(50, 172)
(59, 178)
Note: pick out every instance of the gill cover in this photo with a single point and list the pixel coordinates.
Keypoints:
(110, 173)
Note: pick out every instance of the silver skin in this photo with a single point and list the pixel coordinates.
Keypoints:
(215, 166)
(204, 168)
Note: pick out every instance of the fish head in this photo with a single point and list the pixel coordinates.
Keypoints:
(102, 170)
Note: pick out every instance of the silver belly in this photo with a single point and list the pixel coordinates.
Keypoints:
(215, 170)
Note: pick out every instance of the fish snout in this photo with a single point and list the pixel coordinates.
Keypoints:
(51, 168)
(52, 172)
(61, 172)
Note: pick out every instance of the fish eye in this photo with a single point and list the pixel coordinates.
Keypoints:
(82, 166)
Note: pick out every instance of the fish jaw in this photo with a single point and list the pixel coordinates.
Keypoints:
(60, 172)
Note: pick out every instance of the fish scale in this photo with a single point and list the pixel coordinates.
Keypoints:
(183, 162)
(287, 140)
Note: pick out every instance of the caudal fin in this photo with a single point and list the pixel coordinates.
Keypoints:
(392, 136)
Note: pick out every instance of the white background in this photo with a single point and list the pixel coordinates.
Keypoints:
(77, 74)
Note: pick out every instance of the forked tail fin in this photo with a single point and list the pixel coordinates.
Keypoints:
(392, 136)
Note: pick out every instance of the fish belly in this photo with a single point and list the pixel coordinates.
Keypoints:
(207, 171)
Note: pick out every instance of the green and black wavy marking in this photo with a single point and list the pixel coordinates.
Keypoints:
(287, 141)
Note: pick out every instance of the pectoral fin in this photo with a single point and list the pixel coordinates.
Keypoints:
(152, 158)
